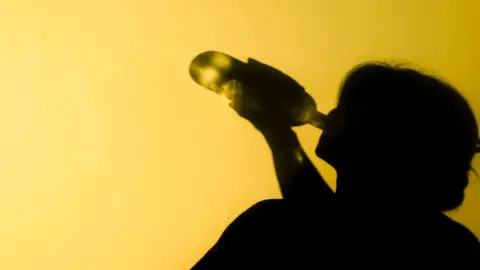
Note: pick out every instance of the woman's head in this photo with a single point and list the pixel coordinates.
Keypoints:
(406, 135)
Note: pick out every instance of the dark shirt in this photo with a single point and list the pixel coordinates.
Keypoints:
(274, 234)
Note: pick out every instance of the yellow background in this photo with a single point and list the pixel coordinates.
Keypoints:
(112, 158)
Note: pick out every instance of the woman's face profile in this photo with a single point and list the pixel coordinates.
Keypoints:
(330, 143)
(343, 126)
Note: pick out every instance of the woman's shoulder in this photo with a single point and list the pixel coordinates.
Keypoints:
(274, 215)
(262, 212)
(265, 212)
(463, 241)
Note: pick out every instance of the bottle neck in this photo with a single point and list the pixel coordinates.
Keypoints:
(317, 119)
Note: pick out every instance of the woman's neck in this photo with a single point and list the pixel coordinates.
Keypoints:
(352, 197)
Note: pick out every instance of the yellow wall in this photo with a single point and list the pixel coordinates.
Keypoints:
(112, 158)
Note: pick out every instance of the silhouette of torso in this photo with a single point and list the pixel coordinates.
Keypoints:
(274, 234)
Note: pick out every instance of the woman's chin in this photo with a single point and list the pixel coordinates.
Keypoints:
(326, 153)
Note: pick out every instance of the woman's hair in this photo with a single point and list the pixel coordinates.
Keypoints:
(417, 128)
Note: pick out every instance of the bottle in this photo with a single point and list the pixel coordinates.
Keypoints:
(269, 87)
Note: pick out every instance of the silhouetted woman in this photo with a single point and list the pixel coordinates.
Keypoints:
(402, 144)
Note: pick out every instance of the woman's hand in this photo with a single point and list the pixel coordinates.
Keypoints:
(261, 116)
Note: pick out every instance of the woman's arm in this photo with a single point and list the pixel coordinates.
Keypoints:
(298, 178)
